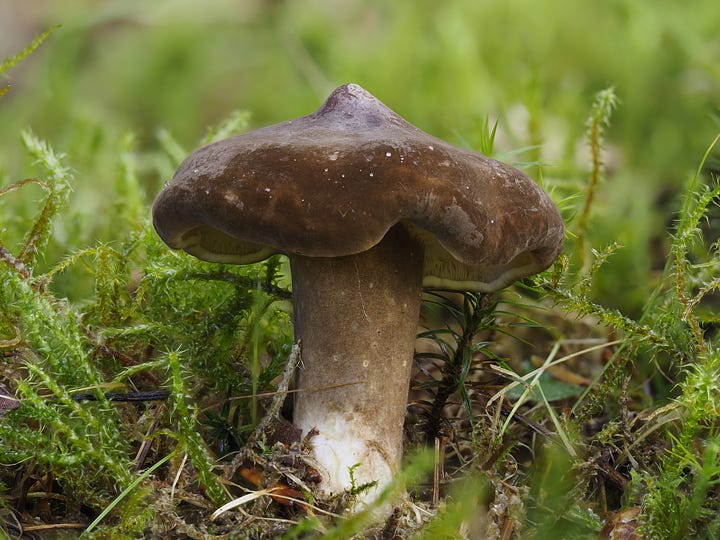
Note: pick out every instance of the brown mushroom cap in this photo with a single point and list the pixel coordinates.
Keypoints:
(333, 183)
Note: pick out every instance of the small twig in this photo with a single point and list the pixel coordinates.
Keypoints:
(22, 183)
(438, 472)
(507, 529)
(273, 410)
(147, 441)
(177, 475)
(274, 393)
(53, 527)
(153, 395)
(15, 263)
(271, 415)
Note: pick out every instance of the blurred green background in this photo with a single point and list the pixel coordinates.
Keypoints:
(138, 66)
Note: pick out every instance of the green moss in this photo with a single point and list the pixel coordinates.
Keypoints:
(92, 302)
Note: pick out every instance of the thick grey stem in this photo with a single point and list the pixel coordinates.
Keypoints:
(357, 318)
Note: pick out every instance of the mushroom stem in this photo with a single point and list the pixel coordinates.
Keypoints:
(357, 318)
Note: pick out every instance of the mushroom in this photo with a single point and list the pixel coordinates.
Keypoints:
(369, 209)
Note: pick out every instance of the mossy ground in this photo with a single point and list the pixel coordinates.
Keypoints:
(575, 403)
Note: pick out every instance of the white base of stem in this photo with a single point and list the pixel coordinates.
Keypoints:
(340, 449)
